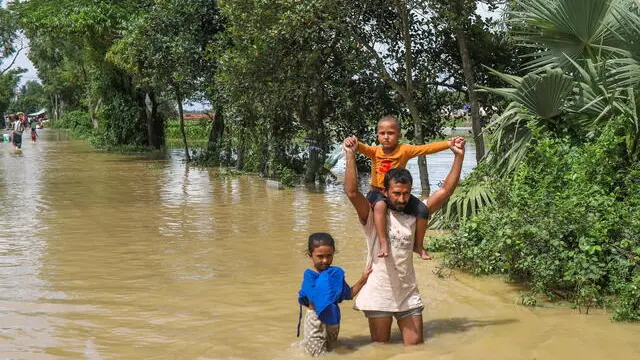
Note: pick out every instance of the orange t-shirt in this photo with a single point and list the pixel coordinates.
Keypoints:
(381, 162)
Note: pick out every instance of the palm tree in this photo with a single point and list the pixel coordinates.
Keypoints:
(584, 70)
(592, 47)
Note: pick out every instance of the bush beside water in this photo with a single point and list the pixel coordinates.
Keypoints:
(567, 224)
(195, 130)
(77, 122)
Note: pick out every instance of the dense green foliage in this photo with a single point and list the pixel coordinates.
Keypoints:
(9, 76)
(195, 130)
(77, 122)
(566, 223)
(303, 75)
(555, 204)
(8, 83)
(31, 97)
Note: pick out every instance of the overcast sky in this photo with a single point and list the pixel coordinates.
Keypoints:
(22, 61)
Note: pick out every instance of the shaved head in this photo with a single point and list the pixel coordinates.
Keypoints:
(390, 119)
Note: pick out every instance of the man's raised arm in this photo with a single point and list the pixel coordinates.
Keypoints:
(438, 198)
(358, 200)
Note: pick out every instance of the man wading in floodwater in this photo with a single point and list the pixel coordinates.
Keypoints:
(391, 290)
(17, 134)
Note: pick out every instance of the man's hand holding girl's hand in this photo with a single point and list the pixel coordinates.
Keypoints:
(350, 144)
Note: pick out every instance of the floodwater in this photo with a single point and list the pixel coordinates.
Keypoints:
(107, 256)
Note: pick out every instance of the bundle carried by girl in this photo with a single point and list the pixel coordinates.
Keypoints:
(324, 290)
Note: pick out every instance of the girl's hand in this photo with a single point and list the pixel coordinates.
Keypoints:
(365, 274)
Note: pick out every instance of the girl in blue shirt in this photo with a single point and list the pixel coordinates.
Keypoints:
(323, 287)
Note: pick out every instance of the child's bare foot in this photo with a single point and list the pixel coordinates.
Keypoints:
(384, 249)
(424, 255)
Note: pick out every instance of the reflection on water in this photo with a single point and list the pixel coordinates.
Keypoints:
(125, 257)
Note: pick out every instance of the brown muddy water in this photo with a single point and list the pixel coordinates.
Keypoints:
(107, 256)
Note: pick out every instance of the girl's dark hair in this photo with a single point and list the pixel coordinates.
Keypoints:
(320, 239)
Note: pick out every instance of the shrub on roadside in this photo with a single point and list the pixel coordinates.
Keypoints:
(77, 121)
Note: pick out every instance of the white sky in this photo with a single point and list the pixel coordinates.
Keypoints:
(22, 61)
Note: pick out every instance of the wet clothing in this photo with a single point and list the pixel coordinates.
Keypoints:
(398, 158)
(318, 337)
(392, 285)
(17, 134)
(370, 314)
(324, 290)
(17, 139)
(414, 207)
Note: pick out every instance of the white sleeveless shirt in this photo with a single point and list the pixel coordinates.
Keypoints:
(392, 284)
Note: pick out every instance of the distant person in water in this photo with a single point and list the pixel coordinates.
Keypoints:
(18, 128)
(323, 287)
(34, 125)
(390, 155)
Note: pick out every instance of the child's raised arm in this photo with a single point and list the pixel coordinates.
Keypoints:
(426, 149)
(366, 150)
(355, 289)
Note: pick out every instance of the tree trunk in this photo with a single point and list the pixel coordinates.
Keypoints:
(155, 128)
(54, 101)
(264, 157)
(61, 109)
(401, 6)
(406, 91)
(216, 133)
(227, 151)
(313, 124)
(419, 139)
(241, 147)
(56, 106)
(184, 135)
(94, 117)
(467, 67)
(314, 161)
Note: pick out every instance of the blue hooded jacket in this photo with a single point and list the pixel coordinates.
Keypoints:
(324, 290)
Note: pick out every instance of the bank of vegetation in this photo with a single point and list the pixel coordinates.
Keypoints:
(552, 204)
(556, 202)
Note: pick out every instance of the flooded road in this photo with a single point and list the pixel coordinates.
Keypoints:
(106, 256)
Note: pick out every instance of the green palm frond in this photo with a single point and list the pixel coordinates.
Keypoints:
(333, 158)
(594, 93)
(626, 71)
(545, 95)
(538, 99)
(511, 136)
(465, 202)
(577, 29)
